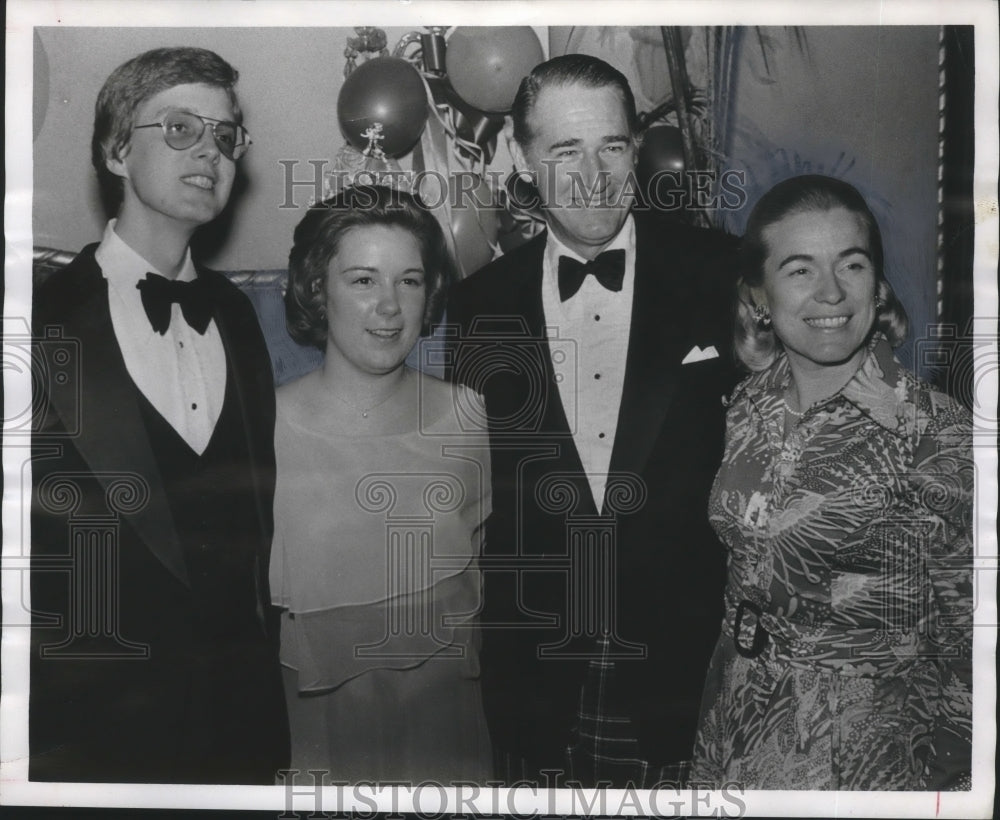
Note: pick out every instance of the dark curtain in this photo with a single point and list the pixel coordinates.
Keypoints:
(956, 352)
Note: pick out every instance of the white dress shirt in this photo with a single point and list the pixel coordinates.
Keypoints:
(588, 342)
(182, 373)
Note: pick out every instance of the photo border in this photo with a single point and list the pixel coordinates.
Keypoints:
(23, 15)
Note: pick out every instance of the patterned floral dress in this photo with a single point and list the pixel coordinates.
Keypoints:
(849, 589)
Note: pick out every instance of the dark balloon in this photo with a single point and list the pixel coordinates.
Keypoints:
(386, 90)
(662, 149)
(486, 63)
(660, 168)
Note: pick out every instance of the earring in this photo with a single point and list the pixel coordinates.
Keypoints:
(763, 317)
(879, 304)
(315, 286)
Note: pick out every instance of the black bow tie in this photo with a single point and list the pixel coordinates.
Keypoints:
(159, 293)
(608, 268)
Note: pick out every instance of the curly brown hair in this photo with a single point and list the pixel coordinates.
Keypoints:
(319, 234)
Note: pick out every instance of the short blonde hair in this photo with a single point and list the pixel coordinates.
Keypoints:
(756, 346)
(134, 82)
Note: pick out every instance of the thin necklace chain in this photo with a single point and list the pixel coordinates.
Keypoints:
(364, 411)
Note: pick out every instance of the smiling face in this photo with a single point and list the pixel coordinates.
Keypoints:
(166, 190)
(375, 299)
(581, 153)
(819, 283)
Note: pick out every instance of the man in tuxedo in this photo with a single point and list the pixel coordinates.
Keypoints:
(154, 646)
(602, 349)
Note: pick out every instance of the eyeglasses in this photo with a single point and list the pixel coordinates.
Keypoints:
(182, 129)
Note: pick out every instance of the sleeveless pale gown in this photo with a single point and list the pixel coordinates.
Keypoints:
(375, 563)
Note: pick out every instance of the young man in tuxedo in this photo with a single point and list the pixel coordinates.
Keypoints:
(602, 349)
(154, 648)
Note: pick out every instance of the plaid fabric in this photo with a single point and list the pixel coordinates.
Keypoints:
(603, 749)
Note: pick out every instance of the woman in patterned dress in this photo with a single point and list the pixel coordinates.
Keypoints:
(845, 502)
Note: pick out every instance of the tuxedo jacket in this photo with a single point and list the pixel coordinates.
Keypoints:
(651, 560)
(154, 645)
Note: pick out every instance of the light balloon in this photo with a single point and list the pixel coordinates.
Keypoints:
(486, 64)
(475, 222)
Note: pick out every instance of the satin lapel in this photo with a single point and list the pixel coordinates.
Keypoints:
(529, 299)
(656, 347)
(240, 367)
(230, 337)
(113, 437)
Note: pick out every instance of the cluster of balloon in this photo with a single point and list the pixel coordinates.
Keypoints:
(485, 66)
(476, 73)
(662, 151)
(386, 90)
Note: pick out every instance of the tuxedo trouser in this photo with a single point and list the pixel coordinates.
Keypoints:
(603, 749)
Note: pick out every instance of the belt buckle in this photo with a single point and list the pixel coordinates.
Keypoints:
(760, 635)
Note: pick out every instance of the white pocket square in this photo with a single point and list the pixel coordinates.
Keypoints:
(696, 354)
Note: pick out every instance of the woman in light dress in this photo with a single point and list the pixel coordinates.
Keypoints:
(382, 490)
